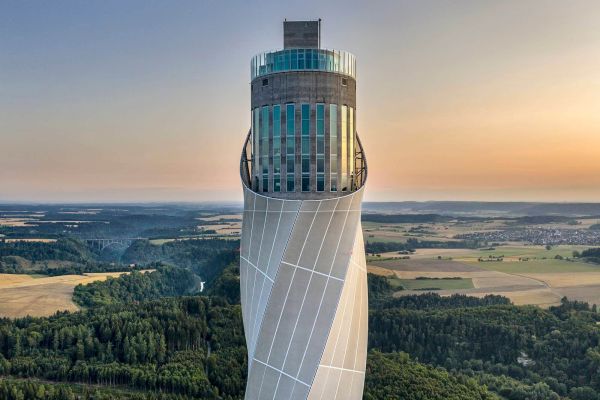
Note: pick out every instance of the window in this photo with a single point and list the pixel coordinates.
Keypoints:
(290, 124)
(320, 135)
(277, 183)
(305, 164)
(333, 146)
(320, 183)
(305, 183)
(344, 82)
(344, 148)
(320, 164)
(265, 82)
(276, 148)
(305, 144)
(300, 59)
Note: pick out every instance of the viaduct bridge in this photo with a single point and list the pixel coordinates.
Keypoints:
(102, 244)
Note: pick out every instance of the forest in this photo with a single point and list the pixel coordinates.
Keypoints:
(151, 335)
(184, 346)
(591, 255)
(374, 247)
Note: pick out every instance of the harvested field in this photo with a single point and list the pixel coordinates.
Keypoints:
(566, 279)
(372, 269)
(539, 297)
(40, 240)
(17, 222)
(537, 266)
(220, 217)
(590, 294)
(22, 295)
(229, 229)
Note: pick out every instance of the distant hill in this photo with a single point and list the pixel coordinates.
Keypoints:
(484, 208)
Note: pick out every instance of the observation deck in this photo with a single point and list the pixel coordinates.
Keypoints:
(292, 60)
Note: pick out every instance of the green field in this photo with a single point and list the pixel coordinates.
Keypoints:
(536, 266)
(370, 237)
(441, 284)
(37, 276)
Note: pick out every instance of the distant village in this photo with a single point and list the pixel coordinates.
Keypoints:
(538, 236)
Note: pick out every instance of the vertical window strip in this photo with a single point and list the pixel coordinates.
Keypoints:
(351, 147)
(305, 144)
(344, 149)
(256, 137)
(277, 148)
(333, 146)
(320, 134)
(290, 113)
(264, 147)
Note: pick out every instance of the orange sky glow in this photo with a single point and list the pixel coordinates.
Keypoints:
(461, 100)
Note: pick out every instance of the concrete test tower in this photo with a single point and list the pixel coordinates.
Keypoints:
(302, 264)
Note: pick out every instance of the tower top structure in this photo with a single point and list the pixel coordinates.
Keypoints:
(302, 34)
(303, 142)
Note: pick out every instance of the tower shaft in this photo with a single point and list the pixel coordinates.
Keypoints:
(302, 264)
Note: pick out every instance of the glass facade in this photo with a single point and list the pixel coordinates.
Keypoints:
(290, 113)
(283, 155)
(287, 60)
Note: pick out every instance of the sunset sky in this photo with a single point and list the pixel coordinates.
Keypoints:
(149, 100)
